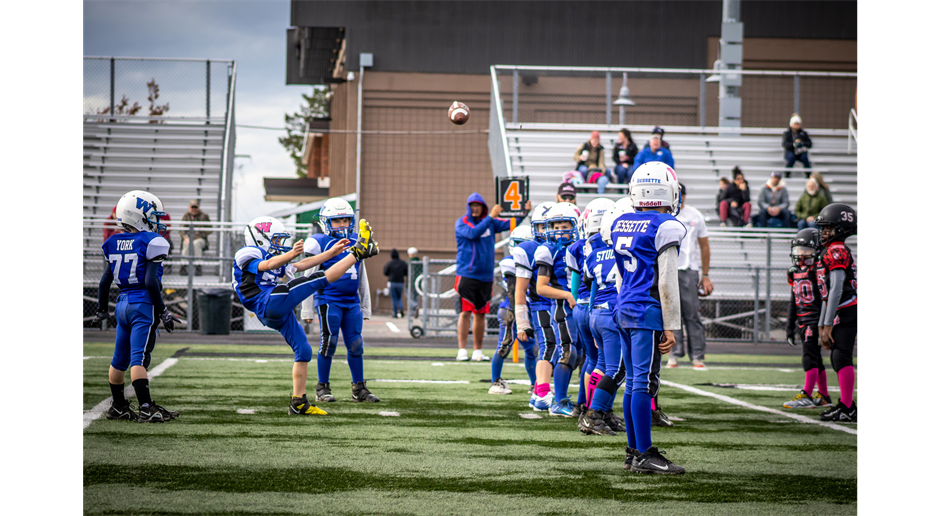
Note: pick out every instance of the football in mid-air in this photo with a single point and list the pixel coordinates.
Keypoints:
(458, 113)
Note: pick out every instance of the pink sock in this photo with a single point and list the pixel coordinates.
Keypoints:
(846, 384)
(823, 386)
(811, 376)
(541, 389)
(652, 403)
(591, 386)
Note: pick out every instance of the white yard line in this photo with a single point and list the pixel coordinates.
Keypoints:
(728, 399)
(392, 327)
(422, 381)
(89, 416)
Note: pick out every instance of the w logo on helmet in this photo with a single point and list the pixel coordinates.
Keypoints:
(143, 205)
(264, 227)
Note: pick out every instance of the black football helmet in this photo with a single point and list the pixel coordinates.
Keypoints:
(840, 220)
(804, 246)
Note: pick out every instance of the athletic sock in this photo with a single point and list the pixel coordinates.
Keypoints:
(846, 385)
(541, 389)
(582, 396)
(591, 387)
(142, 388)
(653, 404)
(355, 368)
(604, 394)
(628, 419)
(117, 394)
(496, 368)
(530, 368)
(823, 387)
(562, 376)
(811, 376)
(323, 368)
(610, 403)
(642, 419)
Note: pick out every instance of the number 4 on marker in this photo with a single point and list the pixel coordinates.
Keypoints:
(512, 195)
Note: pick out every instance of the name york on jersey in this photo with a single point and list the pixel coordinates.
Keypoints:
(125, 245)
(632, 226)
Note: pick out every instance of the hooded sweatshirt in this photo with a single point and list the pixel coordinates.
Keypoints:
(774, 196)
(476, 242)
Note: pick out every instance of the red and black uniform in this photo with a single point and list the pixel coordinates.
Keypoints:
(845, 324)
(804, 312)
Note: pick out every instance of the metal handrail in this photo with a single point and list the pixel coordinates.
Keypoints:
(160, 59)
(696, 130)
(160, 117)
(497, 98)
(853, 131)
(672, 70)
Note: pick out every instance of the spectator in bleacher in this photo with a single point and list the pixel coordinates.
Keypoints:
(822, 186)
(662, 137)
(108, 231)
(590, 154)
(774, 203)
(694, 254)
(200, 235)
(809, 205)
(624, 153)
(734, 202)
(566, 193)
(796, 144)
(417, 270)
(654, 152)
(396, 270)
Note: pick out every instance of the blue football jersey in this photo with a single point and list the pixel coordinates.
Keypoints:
(344, 290)
(127, 255)
(524, 257)
(638, 239)
(600, 266)
(553, 256)
(252, 287)
(574, 258)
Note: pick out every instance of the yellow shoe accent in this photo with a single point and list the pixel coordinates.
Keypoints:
(314, 410)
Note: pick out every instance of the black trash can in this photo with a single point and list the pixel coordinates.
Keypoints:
(215, 312)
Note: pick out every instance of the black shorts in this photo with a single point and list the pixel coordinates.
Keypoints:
(475, 294)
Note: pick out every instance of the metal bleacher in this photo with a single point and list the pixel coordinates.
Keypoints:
(544, 152)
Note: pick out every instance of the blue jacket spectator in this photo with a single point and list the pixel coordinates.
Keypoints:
(655, 152)
(476, 239)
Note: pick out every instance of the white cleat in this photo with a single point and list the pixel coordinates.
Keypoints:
(462, 355)
(500, 387)
(478, 356)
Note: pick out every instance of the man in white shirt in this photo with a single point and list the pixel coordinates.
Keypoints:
(694, 254)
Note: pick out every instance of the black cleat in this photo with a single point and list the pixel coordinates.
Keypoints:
(124, 412)
(613, 422)
(661, 419)
(632, 454)
(324, 393)
(652, 461)
(299, 406)
(360, 393)
(154, 413)
(592, 422)
(841, 414)
(578, 410)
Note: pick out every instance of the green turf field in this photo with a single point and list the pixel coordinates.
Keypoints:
(453, 449)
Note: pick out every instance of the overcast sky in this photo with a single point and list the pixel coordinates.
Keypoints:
(253, 33)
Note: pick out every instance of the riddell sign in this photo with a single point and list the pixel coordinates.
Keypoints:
(513, 192)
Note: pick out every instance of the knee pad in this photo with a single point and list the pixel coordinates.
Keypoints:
(840, 358)
(354, 348)
(608, 384)
(120, 365)
(529, 350)
(504, 348)
(304, 353)
(328, 348)
(811, 361)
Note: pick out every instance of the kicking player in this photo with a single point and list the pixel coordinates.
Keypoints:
(646, 247)
(264, 261)
(341, 305)
(561, 231)
(528, 303)
(837, 276)
(805, 301)
(135, 262)
(507, 316)
(589, 224)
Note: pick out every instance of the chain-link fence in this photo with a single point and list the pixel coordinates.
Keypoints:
(183, 87)
(533, 94)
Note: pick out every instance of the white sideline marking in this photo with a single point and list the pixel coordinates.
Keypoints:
(530, 416)
(99, 409)
(728, 399)
(389, 414)
(392, 327)
(759, 387)
(245, 411)
(422, 381)
(518, 382)
(261, 361)
(436, 364)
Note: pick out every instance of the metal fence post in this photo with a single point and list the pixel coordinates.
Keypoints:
(515, 96)
(756, 302)
(189, 282)
(112, 88)
(796, 93)
(426, 263)
(767, 299)
(208, 89)
(701, 99)
(607, 107)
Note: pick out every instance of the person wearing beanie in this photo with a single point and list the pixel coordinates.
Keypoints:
(654, 152)
(774, 203)
(566, 193)
(796, 144)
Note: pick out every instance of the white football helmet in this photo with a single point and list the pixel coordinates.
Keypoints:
(520, 234)
(592, 215)
(334, 209)
(538, 220)
(562, 212)
(655, 185)
(267, 233)
(623, 205)
(140, 211)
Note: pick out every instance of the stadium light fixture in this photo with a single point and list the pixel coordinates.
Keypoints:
(623, 99)
(716, 77)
